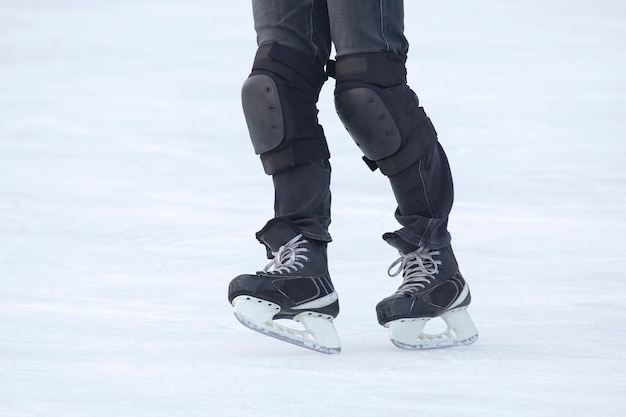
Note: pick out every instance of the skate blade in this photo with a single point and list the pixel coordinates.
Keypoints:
(409, 333)
(319, 333)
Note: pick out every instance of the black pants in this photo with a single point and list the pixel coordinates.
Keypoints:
(424, 191)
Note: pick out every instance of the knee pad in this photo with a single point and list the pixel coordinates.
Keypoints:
(279, 103)
(380, 111)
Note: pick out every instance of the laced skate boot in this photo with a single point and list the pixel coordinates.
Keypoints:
(432, 286)
(295, 285)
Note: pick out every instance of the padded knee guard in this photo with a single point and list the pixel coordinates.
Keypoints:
(380, 111)
(279, 103)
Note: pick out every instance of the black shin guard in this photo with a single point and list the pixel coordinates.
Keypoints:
(380, 111)
(279, 102)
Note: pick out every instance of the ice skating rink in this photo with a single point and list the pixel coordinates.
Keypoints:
(130, 194)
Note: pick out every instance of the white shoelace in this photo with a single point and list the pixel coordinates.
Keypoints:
(289, 257)
(418, 269)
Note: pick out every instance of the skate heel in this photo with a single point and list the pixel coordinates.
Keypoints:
(409, 333)
(460, 327)
(319, 332)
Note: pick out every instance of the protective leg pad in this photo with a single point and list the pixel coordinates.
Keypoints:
(381, 112)
(279, 101)
(263, 112)
(369, 122)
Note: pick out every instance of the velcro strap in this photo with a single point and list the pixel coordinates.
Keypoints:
(370, 164)
(380, 68)
(296, 153)
(330, 68)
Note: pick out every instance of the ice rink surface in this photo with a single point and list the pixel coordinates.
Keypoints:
(130, 194)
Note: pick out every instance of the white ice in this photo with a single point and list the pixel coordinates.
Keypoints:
(130, 194)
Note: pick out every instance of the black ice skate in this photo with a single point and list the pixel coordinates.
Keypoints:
(295, 285)
(432, 286)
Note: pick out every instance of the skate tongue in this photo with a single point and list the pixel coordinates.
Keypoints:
(397, 242)
(276, 233)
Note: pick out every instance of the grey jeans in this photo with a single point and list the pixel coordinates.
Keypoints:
(423, 192)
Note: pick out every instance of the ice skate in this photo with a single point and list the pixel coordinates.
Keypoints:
(432, 287)
(295, 286)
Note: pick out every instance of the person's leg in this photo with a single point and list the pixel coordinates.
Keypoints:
(294, 45)
(371, 52)
(279, 100)
(383, 116)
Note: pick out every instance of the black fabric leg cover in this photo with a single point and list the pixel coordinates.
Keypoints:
(279, 101)
(380, 111)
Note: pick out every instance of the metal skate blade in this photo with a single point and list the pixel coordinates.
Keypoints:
(319, 333)
(409, 333)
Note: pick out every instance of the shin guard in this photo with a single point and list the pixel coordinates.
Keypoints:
(380, 111)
